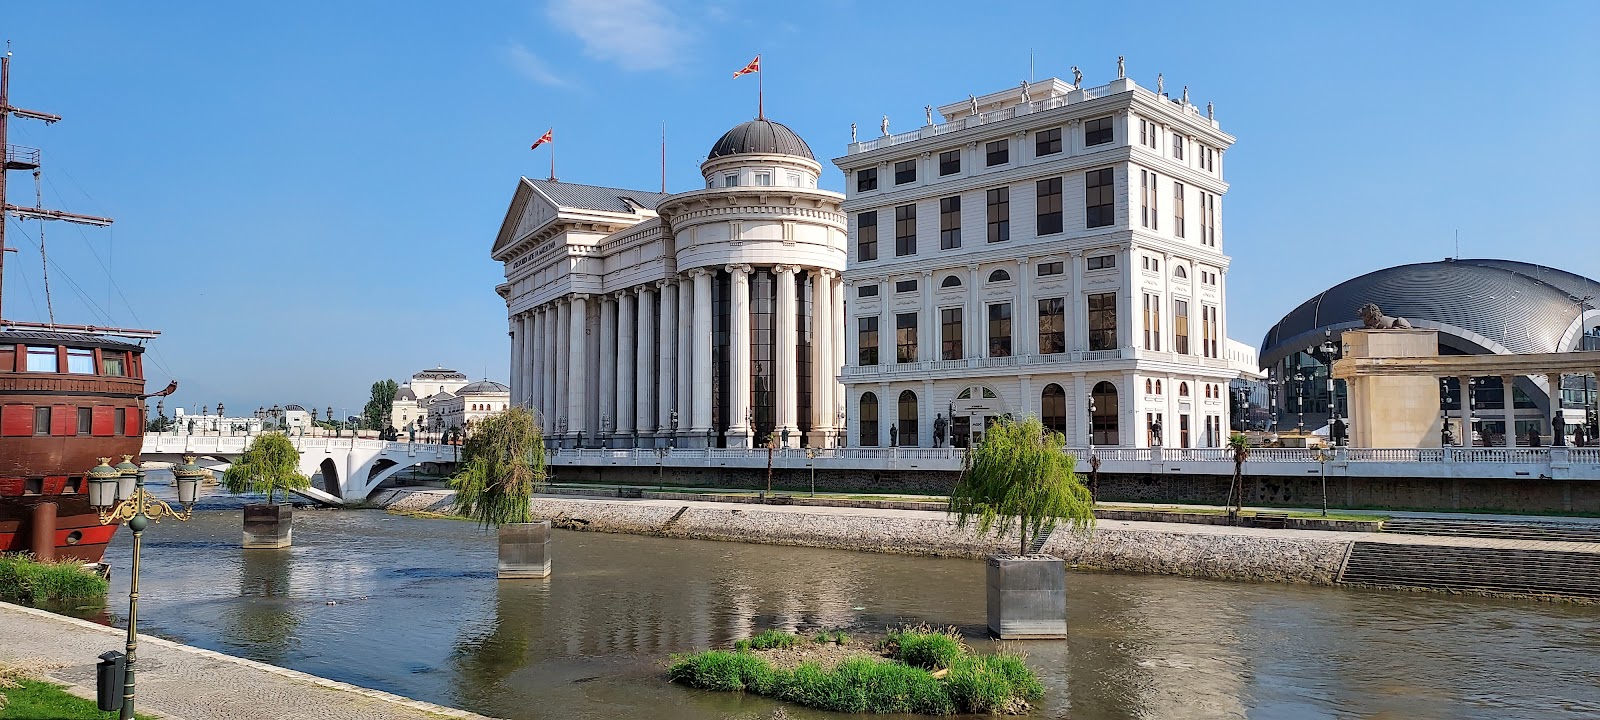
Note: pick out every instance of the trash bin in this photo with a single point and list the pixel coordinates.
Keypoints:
(109, 677)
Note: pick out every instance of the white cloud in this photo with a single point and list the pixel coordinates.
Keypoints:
(531, 66)
(634, 34)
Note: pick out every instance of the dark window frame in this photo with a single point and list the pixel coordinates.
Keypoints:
(1052, 326)
(1098, 131)
(905, 230)
(905, 286)
(951, 329)
(1000, 329)
(1047, 142)
(1101, 262)
(1102, 321)
(1047, 269)
(905, 172)
(950, 222)
(949, 162)
(996, 152)
(1047, 219)
(1100, 197)
(867, 291)
(867, 240)
(867, 329)
(998, 204)
(905, 338)
(866, 179)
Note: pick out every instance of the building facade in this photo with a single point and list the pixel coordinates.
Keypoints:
(468, 404)
(410, 408)
(1048, 250)
(704, 318)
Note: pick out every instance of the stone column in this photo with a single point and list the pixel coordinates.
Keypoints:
(702, 370)
(1078, 319)
(577, 393)
(1553, 380)
(668, 384)
(739, 380)
(821, 359)
(1464, 385)
(644, 366)
(784, 352)
(530, 378)
(888, 412)
(1131, 431)
(1078, 419)
(515, 379)
(549, 415)
(683, 320)
(627, 324)
(563, 365)
(608, 368)
(1508, 382)
(840, 330)
(977, 320)
(1025, 318)
(1128, 308)
(533, 355)
(928, 327)
(886, 326)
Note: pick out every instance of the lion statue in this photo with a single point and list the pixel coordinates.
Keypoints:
(1374, 319)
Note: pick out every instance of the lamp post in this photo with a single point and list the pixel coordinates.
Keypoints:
(811, 462)
(844, 433)
(112, 497)
(672, 439)
(1322, 461)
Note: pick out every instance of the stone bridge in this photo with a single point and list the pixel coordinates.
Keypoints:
(342, 470)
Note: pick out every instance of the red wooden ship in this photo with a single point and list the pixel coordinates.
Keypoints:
(69, 395)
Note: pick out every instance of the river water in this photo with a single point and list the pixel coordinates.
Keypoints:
(412, 606)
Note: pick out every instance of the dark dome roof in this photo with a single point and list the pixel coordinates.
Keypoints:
(1523, 307)
(760, 136)
(440, 374)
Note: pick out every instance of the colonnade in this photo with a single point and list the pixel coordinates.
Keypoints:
(1465, 416)
(638, 367)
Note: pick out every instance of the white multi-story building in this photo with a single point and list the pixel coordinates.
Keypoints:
(703, 317)
(468, 404)
(1046, 249)
(411, 401)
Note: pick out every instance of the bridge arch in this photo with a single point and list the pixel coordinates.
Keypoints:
(327, 478)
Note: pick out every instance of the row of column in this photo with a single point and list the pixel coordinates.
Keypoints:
(656, 369)
(1509, 411)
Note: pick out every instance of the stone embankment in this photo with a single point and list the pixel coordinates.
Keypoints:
(1204, 551)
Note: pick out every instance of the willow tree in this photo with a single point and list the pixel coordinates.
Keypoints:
(270, 465)
(1020, 473)
(502, 466)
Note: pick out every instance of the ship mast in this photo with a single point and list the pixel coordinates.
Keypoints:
(16, 157)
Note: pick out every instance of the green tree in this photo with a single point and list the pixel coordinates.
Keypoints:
(269, 465)
(502, 466)
(1239, 445)
(375, 416)
(1019, 472)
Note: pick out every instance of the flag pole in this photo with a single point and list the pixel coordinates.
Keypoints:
(761, 93)
(663, 158)
(552, 162)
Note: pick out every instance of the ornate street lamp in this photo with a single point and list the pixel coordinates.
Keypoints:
(844, 432)
(137, 509)
(672, 440)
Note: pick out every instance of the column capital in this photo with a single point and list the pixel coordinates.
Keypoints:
(1024, 260)
(664, 282)
(927, 273)
(738, 269)
(580, 296)
(697, 272)
(640, 289)
(973, 268)
(1077, 253)
(827, 273)
(784, 269)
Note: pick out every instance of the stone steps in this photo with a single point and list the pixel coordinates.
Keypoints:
(1474, 569)
(1557, 532)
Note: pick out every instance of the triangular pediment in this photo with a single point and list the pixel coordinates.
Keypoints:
(529, 211)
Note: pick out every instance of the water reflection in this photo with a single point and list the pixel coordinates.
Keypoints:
(411, 606)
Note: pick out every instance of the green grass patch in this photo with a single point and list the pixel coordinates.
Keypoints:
(926, 672)
(23, 698)
(767, 640)
(836, 637)
(26, 581)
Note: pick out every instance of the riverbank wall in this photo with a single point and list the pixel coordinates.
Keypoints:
(1202, 551)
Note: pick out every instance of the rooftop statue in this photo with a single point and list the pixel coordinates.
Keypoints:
(1373, 319)
(1122, 71)
(1077, 76)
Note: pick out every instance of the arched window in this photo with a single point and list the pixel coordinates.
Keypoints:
(1158, 387)
(1053, 408)
(1179, 272)
(999, 276)
(1183, 389)
(908, 419)
(869, 420)
(1149, 386)
(1104, 419)
(950, 281)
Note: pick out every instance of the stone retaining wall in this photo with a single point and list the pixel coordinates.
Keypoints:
(1237, 555)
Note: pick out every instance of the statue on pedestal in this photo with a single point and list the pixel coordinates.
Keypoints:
(1186, 95)
(885, 125)
(894, 436)
(928, 111)
(1161, 84)
(1077, 76)
(972, 104)
(1155, 433)
(939, 425)
(1373, 318)
(1025, 97)
(1558, 430)
(1122, 71)
(852, 132)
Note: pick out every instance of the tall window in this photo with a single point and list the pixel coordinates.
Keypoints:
(867, 236)
(41, 359)
(869, 420)
(85, 421)
(1099, 198)
(866, 179)
(1053, 408)
(950, 223)
(1049, 207)
(1103, 321)
(1177, 146)
(1103, 422)
(1177, 209)
(1147, 200)
(1207, 159)
(41, 420)
(1052, 326)
(999, 214)
(1000, 330)
(1147, 133)
(1180, 327)
(1209, 329)
(950, 334)
(1047, 142)
(949, 162)
(905, 230)
(867, 340)
(908, 419)
(997, 153)
(1208, 219)
(1152, 322)
(905, 337)
(905, 171)
(1097, 131)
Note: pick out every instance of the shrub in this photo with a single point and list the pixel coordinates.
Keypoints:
(26, 581)
(992, 684)
(924, 648)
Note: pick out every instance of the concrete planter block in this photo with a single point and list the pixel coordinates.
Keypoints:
(525, 550)
(268, 527)
(1027, 597)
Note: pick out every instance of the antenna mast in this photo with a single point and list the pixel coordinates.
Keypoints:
(16, 157)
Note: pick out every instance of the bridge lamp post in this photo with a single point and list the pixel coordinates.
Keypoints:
(115, 500)
(220, 418)
(1322, 460)
(811, 462)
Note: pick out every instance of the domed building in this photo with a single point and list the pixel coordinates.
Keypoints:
(695, 319)
(1478, 306)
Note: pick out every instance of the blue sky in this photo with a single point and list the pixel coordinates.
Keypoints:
(306, 192)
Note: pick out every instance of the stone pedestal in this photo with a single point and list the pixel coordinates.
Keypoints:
(524, 550)
(1393, 411)
(1027, 597)
(268, 527)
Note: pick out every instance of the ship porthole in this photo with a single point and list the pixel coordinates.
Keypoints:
(73, 537)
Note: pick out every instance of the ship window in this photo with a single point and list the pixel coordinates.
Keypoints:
(33, 486)
(41, 421)
(122, 420)
(80, 361)
(113, 363)
(85, 421)
(41, 359)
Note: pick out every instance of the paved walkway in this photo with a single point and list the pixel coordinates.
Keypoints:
(187, 683)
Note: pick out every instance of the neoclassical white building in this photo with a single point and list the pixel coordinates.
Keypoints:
(412, 400)
(708, 317)
(468, 404)
(1047, 248)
